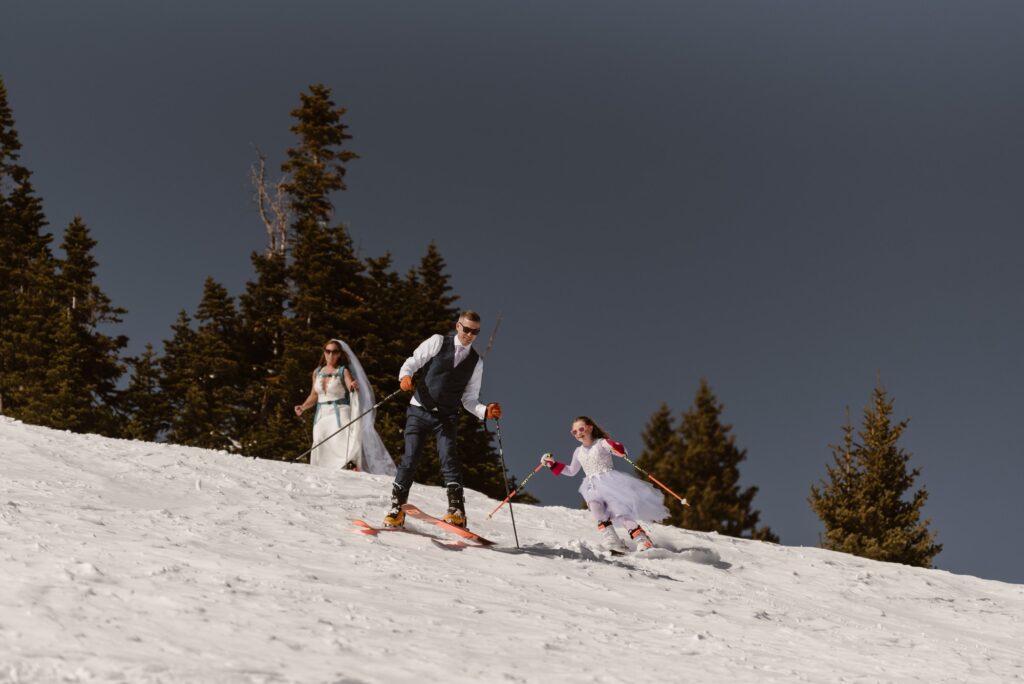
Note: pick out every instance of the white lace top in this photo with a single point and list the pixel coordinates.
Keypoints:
(594, 459)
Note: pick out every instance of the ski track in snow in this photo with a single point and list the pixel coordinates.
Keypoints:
(127, 561)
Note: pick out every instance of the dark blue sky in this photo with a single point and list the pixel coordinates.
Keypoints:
(790, 199)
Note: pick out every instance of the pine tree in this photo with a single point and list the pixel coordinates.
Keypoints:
(432, 296)
(67, 403)
(863, 504)
(142, 403)
(209, 416)
(700, 461)
(29, 310)
(264, 399)
(176, 374)
(326, 284)
(29, 340)
(202, 374)
(85, 373)
(385, 343)
(662, 453)
(662, 456)
(56, 366)
(317, 164)
(326, 274)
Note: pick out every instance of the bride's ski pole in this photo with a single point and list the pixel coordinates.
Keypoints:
(516, 490)
(650, 477)
(351, 422)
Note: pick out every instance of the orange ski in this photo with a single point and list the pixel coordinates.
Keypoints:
(417, 514)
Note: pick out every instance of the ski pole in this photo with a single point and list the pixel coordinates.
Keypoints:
(515, 491)
(351, 422)
(651, 478)
(504, 474)
(490, 340)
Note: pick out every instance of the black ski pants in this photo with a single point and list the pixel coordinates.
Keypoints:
(419, 425)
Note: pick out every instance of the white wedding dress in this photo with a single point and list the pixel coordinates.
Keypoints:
(358, 444)
(333, 411)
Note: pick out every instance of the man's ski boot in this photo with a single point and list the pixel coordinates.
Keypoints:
(609, 539)
(643, 542)
(456, 514)
(396, 516)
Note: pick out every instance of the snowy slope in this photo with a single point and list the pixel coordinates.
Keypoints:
(138, 562)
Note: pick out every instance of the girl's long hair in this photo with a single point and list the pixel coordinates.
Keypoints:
(597, 432)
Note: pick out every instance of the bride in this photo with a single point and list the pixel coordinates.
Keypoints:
(340, 388)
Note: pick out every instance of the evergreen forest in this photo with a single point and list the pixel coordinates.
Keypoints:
(232, 369)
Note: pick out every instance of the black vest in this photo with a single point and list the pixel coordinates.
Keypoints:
(441, 387)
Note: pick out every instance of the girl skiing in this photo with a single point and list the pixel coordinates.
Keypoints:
(611, 496)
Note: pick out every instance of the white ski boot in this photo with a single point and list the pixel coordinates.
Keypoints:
(643, 542)
(609, 539)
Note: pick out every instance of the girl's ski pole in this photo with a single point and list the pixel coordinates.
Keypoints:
(516, 490)
(651, 477)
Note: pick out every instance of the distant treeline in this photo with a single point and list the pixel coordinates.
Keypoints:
(862, 504)
(232, 370)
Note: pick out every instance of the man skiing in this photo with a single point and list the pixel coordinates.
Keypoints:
(453, 372)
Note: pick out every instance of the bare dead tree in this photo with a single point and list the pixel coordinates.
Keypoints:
(273, 209)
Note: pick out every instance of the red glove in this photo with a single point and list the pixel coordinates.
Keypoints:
(493, 411)
(617, 447)
(406, 384)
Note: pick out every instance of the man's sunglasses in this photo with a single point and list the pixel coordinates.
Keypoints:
(470, 331)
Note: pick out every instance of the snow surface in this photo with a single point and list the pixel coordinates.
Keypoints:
(137, 562)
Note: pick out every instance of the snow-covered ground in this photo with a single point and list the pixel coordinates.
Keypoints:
(137, 562)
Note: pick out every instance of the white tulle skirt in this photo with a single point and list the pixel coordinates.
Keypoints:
(341, 448)
(625, 496)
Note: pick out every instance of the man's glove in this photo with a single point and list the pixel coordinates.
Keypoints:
(547, 460)
(406, 384)
(493, 411)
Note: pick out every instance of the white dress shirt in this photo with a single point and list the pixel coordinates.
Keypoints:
(427, 350)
